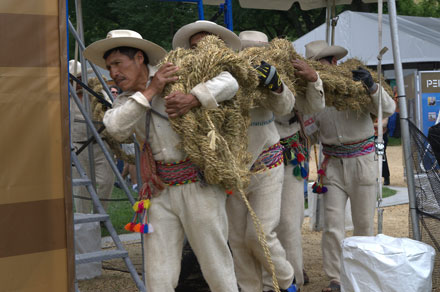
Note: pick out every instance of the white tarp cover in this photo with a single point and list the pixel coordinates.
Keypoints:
(313, 4)
(387, 264)
(267, 4)
(419, 37)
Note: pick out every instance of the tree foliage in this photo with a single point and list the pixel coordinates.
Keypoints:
(158, 20)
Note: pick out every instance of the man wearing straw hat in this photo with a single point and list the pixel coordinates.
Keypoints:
(349, 167)
(264, 191)
(185, 207)
(296, 147)
(105, 177)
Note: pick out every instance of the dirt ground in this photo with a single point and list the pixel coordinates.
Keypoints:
(395, 224)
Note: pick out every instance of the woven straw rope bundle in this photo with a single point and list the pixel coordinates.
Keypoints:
(215, 139)
(340, 90)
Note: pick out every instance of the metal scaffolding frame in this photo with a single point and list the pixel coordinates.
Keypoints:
(90, 183)
(101, 215)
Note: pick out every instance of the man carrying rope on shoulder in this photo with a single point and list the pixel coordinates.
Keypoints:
(185, 207)
(348, 170)
(264, 191)
(296, 148)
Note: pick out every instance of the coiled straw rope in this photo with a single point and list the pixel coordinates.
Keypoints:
(340, 90)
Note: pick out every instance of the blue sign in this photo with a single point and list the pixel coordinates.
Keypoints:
(430, 99)
(430, 109)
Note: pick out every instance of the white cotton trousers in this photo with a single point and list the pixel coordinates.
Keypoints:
(352, 178)
(105, 178)
(200, 214)
(264, 195)
(289, 228)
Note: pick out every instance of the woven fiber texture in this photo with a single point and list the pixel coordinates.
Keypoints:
(340, 90)
(215, 139)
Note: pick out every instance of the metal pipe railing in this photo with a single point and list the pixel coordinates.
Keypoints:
(404, 119)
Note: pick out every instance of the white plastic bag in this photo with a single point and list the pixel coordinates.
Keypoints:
(386, 264)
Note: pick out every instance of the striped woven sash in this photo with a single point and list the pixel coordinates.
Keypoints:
(341, 151)
(350, 150)
(269, 158)
(178, 173)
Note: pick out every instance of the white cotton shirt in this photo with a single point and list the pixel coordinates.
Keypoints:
(128, 115)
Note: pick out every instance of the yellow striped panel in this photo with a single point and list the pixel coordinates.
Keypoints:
(31, 145)
(36, 272)
(41, 7)
(18, 80)
(29, 40)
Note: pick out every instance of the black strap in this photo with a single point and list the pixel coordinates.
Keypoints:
(147, 124)
(100, 98)
(101, 199)
(159, 114)
(90, 140)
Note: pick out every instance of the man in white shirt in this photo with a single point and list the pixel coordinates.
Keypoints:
(185, 207)
(349, 165)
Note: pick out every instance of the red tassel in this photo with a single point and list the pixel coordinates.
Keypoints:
(129, 226)
(300, 157)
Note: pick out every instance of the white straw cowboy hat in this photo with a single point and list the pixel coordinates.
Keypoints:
(252, 38)
(183, 35)
(123, 38)
(75, 68)
(319, 49)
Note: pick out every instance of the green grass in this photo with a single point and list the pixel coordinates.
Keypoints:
(394, 141)
(386, 192)
(120, 212)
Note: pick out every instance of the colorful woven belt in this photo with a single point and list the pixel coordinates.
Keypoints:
(177, 173)
(341, 151)
(269, 158)
(350, 150)
(295, 153)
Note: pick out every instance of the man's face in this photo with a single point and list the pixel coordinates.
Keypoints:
(196, 38)
(325, 61)
(114, 92)
(126, 72)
